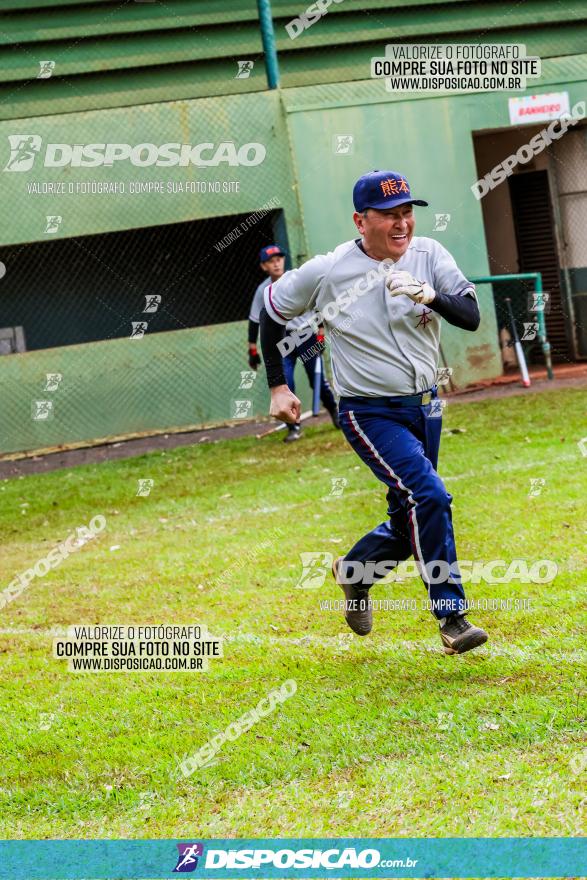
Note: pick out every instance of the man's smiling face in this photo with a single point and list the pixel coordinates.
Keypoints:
(386, 234)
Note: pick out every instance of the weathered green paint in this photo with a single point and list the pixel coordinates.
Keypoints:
(167, 379)
(180, 50)
(188, 377)
(429, 140)
(568, 70)
(217, 77)
(119, 386)
(243, 119)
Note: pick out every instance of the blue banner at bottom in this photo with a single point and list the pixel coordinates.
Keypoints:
(296, 857)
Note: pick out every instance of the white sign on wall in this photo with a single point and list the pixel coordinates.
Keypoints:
(538, 108)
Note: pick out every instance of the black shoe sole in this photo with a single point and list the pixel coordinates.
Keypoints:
(358, 627)
(475, 640)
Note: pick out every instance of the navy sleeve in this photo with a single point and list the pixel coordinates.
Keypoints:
(271, 334)
(253, 332)
(462, 311)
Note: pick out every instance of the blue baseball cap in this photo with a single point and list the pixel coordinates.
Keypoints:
(272, 250)
(383, 189)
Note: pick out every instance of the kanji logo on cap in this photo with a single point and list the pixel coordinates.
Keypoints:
(381, 190)
(272, 250)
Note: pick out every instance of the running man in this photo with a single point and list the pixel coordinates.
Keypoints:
(382, 297)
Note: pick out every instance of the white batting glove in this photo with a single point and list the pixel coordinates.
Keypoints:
(401, 282)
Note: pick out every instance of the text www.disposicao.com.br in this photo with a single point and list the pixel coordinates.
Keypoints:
(103, 664)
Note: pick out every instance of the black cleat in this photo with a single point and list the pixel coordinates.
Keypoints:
(458, 635)
(358, 613)
(294, 432)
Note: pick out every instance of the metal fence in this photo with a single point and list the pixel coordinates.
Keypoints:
(131, 305)
(569, 173)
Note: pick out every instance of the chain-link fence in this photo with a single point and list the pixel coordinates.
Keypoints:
(129, 283)
(569, 171)
(145, 163)
(125, 292)
(131, 331)
(548, 207)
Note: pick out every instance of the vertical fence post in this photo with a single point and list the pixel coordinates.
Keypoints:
(536, 277)
(268, 37)
(542, 325)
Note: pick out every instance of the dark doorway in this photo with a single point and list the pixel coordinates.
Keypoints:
(537, 252)
(65, 291)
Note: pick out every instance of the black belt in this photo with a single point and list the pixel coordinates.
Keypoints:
(412, 399)
(422, 399)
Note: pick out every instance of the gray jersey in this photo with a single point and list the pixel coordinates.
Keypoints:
(307, 319)
(257, 303)
(380, 345)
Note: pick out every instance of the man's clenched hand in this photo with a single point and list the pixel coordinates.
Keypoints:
(285, 406)
(401, 282)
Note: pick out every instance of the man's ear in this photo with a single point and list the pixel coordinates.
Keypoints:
(359, 221)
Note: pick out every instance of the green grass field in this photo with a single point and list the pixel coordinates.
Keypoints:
(385, 736)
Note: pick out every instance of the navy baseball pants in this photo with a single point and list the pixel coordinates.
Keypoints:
(308, 358)
(400, 444)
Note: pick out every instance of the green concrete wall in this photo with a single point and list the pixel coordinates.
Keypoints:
(430, 140)
(433, 147)
(184, 49)
(166, 380)
(163, 382)
(242, 119)
(191, 376)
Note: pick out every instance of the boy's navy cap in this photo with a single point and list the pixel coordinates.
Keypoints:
(272, 250)
(383, 189)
